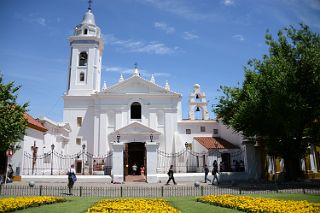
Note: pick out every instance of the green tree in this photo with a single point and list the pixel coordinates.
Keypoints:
(12, 122)
(279, 101)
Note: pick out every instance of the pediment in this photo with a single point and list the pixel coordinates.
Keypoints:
(137, 85)
(135, 128)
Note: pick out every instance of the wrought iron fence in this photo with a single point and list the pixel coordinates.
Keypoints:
(185, 161)
(157, 191)
(188, 161)
(54, 163)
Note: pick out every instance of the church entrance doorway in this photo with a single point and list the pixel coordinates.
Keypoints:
(134, 159)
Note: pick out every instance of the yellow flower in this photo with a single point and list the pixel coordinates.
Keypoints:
(14, 203)
(132, 205)
(251, 204)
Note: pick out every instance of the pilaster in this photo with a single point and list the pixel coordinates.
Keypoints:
(151, 148)
(117, 162)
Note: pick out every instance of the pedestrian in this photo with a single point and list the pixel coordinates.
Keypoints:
(142, 172)
(134, 168)
(72, 178)
(206, 172)
(170, 174)
(215, 172)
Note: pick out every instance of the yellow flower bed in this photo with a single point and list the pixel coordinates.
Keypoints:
(251, 204)
(132, 205)
(9, 204)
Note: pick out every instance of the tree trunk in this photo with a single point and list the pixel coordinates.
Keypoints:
(292, 168)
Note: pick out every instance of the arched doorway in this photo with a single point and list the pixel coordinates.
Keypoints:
(134, 153)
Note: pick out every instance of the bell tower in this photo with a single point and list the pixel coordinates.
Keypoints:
(198, 103)
(85, 58)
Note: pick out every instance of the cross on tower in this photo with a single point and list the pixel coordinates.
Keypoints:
(90, 3)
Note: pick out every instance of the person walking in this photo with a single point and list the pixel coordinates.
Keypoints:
(206, 172)
(215, 172)
(134, 168)
(142, 172)
(72, 178)
(170, 174)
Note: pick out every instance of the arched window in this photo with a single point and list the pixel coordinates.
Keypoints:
(85, 31)
(135, 110)
(83, 59)
(81, 76)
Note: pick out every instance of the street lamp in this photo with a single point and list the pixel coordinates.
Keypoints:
(83, 150)
(186, 145)
(52, 148)
(151, 137)
(118, 138)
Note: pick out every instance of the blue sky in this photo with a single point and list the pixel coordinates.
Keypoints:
(183, 41)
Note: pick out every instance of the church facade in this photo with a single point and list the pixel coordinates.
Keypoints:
(133, 119)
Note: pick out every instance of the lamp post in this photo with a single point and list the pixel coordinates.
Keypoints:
(118, 138)
(186, 145)
(151, 137)
(52, 148)
(83, 150)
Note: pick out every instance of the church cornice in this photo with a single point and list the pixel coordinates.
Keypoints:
(130, 95)
(161, 91)
(84, 40)
(188, 121)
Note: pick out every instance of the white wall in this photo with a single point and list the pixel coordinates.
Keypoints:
(229, 134)
(30, 137)
(79, 107)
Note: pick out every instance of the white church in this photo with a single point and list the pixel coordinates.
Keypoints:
(105, 130)
(133, 118)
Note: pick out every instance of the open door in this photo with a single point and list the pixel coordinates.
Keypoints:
(78, 166)
(134, 154)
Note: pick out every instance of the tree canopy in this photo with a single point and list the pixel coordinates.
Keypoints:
(279, 101)
(12, 121)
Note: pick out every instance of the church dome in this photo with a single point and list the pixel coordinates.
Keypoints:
(88, 18)
(196, 86)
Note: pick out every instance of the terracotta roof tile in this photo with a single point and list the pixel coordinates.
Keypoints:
(215, 143)
(34, 124)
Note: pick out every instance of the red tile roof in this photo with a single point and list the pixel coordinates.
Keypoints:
(34, 124)
(215, 143)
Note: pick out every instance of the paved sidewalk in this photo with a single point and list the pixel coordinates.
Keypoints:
(44, 183)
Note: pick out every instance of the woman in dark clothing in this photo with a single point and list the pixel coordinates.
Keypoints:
(215, 172)
(71, 178)
(170, 173)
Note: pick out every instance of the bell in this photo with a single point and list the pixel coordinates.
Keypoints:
(197, 110)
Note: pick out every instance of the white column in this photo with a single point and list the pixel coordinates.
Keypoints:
(102, 148)
(96, 131)
(117, 162)
(151, 148)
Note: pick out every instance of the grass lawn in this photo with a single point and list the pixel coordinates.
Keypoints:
(185, 204)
